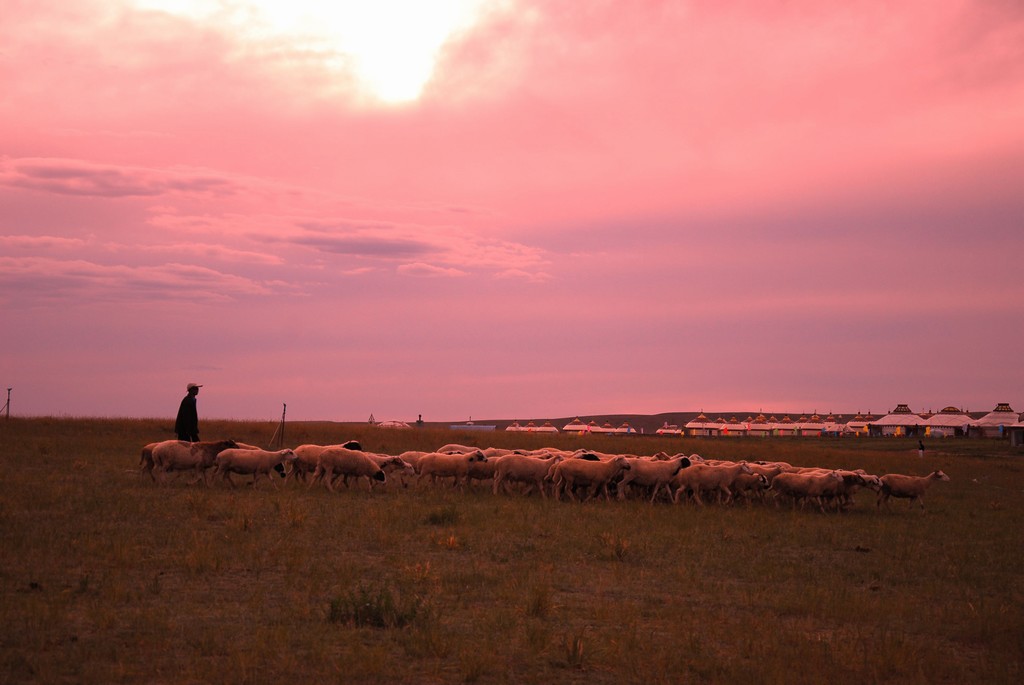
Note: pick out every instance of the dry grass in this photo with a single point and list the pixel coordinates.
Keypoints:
(106, 576)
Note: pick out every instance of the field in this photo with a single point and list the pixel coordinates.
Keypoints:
(107, 577)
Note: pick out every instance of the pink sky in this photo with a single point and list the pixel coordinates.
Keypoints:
(589, 208)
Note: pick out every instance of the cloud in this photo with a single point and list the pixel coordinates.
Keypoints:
(77, 177)
(213, 251)
(519, 274)
(422, 270)
(379, 247)
(41, 279)
(455, 249)
(41, 242)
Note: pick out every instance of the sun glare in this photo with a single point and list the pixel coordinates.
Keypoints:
(391, 44)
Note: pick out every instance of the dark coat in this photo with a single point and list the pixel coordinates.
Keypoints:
(187, 423)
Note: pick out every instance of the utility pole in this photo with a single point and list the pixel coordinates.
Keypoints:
(279, 438)
(279, 433)
(284, 409)
(7, 407)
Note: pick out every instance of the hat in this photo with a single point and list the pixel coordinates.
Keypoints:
(192, 385)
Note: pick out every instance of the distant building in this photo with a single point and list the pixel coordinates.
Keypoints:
(948, 423)
(701, 426)
(994, 423)
(576, 427)
(899, 422)
(669, 429)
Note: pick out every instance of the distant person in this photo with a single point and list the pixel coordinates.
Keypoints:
(419, 420)
(920, 449)
(187, 423)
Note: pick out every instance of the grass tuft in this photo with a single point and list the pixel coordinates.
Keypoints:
(445, 516)
(378, 606)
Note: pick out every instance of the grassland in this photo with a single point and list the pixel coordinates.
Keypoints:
(107, 577)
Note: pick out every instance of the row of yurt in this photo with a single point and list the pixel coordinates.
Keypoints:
(763, 426)
(950, 422)
(531, 427)
(900, 422)
(577, 427)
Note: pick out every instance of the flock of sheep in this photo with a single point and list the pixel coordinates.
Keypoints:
(574, 475)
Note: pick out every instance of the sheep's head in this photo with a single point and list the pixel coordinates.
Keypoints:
(939, 475)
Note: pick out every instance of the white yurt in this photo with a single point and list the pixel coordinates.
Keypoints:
(624, 429)
(948, 423)
(994, 423)
(760, 426)
(810, 427)
(1016, 431)
(899, 422)
(858, 425)
(669, 429)
(786, 427)
(701, 426)
(575, 427)
(733, 427)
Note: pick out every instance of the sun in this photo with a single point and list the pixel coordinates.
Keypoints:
(391, 45)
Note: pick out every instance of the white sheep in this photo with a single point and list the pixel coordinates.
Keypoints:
(412, 457)
(256, 462)
(456, 447)
(768, 469)
(448, 465)
(747, 486)
(482, 470)
(521, 468)
(653, 474)
(396, 467)
(179, 455)
(593, 475)
(711, 478)
(340, 463)
(308, 456)
(803, 486)
(146, 460)
(912, 487)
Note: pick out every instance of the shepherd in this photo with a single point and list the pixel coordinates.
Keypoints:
(187, 423)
